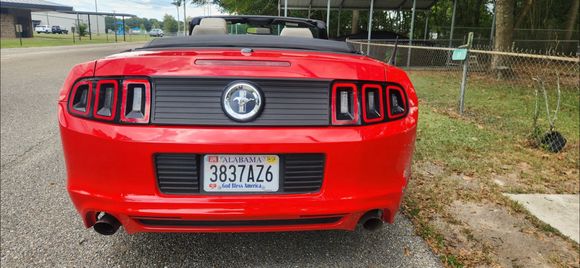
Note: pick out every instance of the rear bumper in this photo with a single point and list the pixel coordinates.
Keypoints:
(110, 168)
(140, 214)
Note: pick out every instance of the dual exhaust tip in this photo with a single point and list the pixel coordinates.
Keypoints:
(108, 225)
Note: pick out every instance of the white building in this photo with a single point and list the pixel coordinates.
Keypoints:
(67, 21)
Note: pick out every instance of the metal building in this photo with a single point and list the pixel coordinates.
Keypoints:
(67, 21)
(13, 12)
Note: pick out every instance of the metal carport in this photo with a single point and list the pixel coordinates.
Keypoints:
(370, 5)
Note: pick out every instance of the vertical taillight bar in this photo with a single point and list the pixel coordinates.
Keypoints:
(372, 103)
(136, 102)
(396, 102)
(106, 94)
(345, 110)
(80, 98)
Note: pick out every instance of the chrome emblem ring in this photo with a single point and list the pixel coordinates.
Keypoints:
(242, 101)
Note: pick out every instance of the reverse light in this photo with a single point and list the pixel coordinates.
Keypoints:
(345, 110)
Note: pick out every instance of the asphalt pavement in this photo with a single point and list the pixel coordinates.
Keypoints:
(40, 227)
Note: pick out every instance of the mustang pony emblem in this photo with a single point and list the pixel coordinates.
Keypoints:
(242, 100)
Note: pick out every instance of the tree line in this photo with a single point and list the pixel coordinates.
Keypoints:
(168, 24)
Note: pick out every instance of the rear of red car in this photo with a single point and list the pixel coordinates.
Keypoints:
(236, 140)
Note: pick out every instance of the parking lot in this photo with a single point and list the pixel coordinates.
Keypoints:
(39, 225)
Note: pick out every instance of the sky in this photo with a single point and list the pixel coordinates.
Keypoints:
(142, 8)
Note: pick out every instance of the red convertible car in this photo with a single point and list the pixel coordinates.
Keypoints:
(250, 124)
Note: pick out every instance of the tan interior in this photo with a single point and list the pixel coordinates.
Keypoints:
(210, 26)
(296, 32)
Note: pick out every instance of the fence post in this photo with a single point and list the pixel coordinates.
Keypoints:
(79, 26)
(464, 78)
(18, 30)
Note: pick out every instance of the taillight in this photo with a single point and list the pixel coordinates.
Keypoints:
(345, 110)
(379, 103)
(106, 99)
(136, 101)
(396, 102)
(80, 98)
(109, 102)
(372, 101)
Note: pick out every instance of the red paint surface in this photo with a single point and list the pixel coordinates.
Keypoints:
(110, 167)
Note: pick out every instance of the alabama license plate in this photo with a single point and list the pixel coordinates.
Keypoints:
(241, 173)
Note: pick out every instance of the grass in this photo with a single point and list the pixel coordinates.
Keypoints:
(494, 132)
(490, 141)
(45, 40)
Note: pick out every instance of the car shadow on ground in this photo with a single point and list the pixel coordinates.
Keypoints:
(392, 242)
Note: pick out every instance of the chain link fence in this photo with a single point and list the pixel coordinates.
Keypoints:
(535, 96)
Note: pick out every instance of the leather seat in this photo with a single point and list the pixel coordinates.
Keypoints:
(210, 26)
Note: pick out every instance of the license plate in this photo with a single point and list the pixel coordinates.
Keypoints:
(241, 173)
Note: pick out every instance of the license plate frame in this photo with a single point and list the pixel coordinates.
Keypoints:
(203, 171)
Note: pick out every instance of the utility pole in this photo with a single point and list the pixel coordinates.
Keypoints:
(184, 18)
(177, 4)
(97, 16)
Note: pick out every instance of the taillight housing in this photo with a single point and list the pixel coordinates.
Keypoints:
(379, 102)
(372, 103)
(396, 102)
(345, 110)
(106, 95)
(115, 100)
(79, 102)
(136, 102)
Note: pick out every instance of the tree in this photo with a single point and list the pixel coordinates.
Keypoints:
(169, 24)
(109, 23)
(155, 24)
(504, 24)
(504, 29)
(247, 7)
(354, 22)
(572, 19)
(82, 30)
(525, 11)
